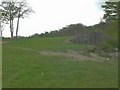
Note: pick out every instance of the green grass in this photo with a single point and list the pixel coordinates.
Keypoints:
(48, 43)
(24, 68)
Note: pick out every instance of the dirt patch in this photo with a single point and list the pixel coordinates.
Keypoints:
(3, 42)
(73, 55)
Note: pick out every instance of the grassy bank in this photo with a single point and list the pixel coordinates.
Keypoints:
(25, 66)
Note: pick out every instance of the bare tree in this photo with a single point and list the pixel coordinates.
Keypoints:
(23, 10)
(15, 9)
(9, 9)
(3, 22)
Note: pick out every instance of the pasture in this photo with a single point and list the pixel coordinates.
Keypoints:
(54, 62)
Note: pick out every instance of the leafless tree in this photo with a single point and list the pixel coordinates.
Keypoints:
(23, 10)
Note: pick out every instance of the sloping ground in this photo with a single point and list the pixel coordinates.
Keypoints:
(35, 63)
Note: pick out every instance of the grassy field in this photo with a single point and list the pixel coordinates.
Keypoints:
(54, 63)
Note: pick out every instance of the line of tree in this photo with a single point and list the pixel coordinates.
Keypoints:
(69, 30)
(103, 34)
(80, 32)
(11, 10)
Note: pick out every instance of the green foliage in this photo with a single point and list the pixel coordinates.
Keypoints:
(107, 46)
(113, 30)
(111, 16)
(111, 10)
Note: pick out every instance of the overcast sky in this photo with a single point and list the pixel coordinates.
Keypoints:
(55, 14)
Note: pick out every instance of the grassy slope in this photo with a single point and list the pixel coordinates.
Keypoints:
(22, 68)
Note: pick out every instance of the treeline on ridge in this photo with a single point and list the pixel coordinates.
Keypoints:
(103, 34)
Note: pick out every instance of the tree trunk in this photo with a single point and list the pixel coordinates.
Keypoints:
(0, 30)
(11, 28)
(1, 33)
(11, 35)
(17, 27)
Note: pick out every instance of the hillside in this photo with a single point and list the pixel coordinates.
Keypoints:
(55, 62)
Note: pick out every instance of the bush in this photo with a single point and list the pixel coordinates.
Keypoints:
(91, 48)
(109, 46)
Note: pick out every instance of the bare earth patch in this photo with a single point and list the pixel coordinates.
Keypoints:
(73, 55)
(4, 42)
(69, 54)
